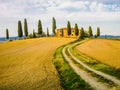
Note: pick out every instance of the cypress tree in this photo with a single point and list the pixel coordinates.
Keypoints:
(62, 33)
(98, 32)
(20, 33)
(25, 27)
(39, 27)
(76, 30)
(34, 35)
(7, 34)
(47, 32)
(68, 28)
(82, 33)
(90, 31)
(54, 25)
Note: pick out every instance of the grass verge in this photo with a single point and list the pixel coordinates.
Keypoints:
(69, 79)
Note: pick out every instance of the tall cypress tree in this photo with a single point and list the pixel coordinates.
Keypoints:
(62, 32)
(25, 27)
(39, 27)
(54, 25)
(82, 33)
(68, 28)
(47, 32)
(98, 32)
(76, 30)
(20, 33)
(34, 35)
(90, 31)
(7, 34)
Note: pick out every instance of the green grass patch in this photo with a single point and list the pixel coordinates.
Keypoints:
(69, 79)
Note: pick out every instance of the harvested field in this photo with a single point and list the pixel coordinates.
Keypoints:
(27, 64)
(106, 51)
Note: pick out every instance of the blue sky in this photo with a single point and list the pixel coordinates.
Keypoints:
(96, 13)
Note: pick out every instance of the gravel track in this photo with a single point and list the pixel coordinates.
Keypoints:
(84, 75)
(109, 77)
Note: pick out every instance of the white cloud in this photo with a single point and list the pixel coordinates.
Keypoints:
(76, 11)
(100, 7)
(20, 7)
(79, 5)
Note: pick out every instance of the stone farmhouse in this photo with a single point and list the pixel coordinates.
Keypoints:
(62, 32)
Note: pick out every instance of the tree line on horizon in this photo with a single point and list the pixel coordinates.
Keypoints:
(82, 32)
(40, 32)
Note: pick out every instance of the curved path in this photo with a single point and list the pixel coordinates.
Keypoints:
(89, 79)
(109, 77)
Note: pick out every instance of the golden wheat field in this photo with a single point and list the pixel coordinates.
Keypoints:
(27, 64)
(106, 51)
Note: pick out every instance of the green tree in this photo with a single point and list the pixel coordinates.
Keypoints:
(25, 27)
(39, 27)
(7, 34)
(34, 35)
(54, 25)
(30, 35)
(90, 31)
(20, 33)
(76, 30)
(68, 28)
(95, 36)
(98, 32)
(62, 33)
(47, 32)
(82, 33)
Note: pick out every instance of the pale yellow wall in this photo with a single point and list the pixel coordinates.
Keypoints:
(65, 32)
(59, 32)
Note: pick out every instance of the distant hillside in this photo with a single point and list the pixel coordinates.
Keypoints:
(2, 39)
(110, 36)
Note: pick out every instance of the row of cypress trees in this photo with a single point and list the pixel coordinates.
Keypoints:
(82, 33)
(40, 30)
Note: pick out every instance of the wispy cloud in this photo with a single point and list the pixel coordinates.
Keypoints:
(17, 7)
